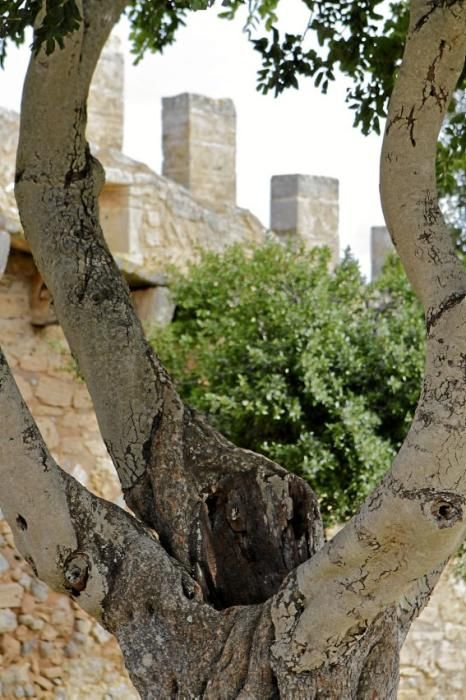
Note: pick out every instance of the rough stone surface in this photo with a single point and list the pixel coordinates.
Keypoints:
(199, 147)
(154, 305)
(154, 221)
(305, 208)
(10, 595)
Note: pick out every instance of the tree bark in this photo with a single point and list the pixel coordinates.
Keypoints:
(236, 596)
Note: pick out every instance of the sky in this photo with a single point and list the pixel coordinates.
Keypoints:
(301, 131)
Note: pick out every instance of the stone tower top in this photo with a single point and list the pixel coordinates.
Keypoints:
(305, 208)
(199, 147)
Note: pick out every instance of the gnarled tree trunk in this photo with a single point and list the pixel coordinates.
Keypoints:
(238, 596)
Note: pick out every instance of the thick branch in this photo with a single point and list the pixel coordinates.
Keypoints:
(415, 519)
(71, 539)
(58, 183)
(432, 62)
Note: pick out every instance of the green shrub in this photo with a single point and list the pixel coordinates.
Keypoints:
(317, 370)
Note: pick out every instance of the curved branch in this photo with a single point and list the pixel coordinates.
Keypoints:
(415, 519)
(57, 185)
(432, 63)
(71, 538)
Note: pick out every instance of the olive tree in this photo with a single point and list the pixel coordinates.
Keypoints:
(221, 584)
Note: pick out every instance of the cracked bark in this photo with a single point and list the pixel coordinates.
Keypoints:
(238, 597)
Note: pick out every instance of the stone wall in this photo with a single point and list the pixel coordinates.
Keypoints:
(156, 223)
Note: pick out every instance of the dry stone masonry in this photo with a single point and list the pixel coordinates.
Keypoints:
(199, 147)
(49, 648)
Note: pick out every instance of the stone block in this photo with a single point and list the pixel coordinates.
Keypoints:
(54, 392)
(81, 398)
(96, 448)
(10, 595)
(48, 431)
(11, 647)
(14, 306)
(381, 247)
(115, 219)
(199, 147)
(154, 305)
(304, 208)
(24, 387)
(8, 621)
(42, 410)
(35, 361)
(4, 564)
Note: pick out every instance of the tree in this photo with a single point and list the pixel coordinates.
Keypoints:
(238, 595)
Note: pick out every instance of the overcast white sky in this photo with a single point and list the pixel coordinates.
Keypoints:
(299, 132)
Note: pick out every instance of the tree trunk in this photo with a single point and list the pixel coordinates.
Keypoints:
(237, 595)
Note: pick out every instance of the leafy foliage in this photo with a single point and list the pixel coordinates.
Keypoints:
(352, 37)
(316, 370)
(60, 18)
(154, 25)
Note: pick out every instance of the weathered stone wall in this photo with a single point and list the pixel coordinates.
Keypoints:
(147, 218)
(156, 222)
